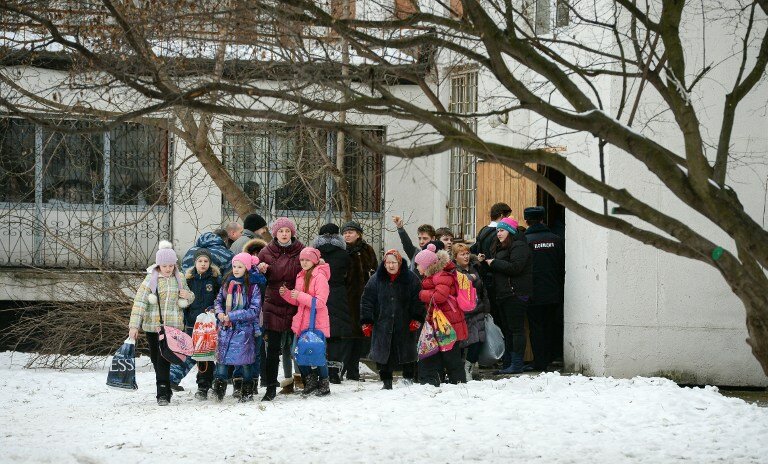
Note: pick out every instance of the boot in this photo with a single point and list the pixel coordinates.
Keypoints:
(246, 392)
(476, 372)
(237, 387)
(515, 367)
(176, 387)
(163, 394)
(468, 370)
(270, 394)
(333, 375)
(298, 381)
(201, 394)
(219, 389)
(256, 387)
(324, 389)
(311, 384)
(287, 386)
(387, 384)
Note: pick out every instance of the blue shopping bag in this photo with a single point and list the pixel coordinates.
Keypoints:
(122, 371)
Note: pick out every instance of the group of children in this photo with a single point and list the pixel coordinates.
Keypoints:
(237, 301)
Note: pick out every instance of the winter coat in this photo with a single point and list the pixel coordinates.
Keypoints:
(485, 238)
(512, 270)
(237, 245)
(334, 252)
(476, 318)
(221, 255)
(390, 307)
(318, 288)
(438, 291)
(146, 314)
(206, 288)
(548, 255)
(236, 343)
(283, 267)
(362, 266)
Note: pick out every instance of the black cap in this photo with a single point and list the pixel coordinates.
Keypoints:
(254, 222)
(534, 213)
(352, 225)
(329, 229)
(437, 243)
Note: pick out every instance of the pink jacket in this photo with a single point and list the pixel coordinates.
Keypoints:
(318, 287)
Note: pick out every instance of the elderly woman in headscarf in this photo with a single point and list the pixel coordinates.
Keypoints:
(391, 314)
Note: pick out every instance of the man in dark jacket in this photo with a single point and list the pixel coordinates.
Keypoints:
(333, 250)
(362, 266)
(548, 255)
(254, 226)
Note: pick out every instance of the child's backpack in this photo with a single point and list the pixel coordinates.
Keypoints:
(309, 346)
(466, 294)
(204, 338)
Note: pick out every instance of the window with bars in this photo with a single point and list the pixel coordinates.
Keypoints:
(463, 170)
(77, 197)
(286, 169)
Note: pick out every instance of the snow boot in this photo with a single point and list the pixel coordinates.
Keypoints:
(256, 387)
(324, 388)
(237, 387)
(219, 389)
(298, 382)
(387, 384)
(246, 394)
(163, 394)
(311, 384)
(515, 367)
(333, 375)
(176, 387)
(270, 394)
(201, 394)
(287, 386)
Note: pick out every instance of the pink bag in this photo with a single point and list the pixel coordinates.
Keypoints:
(175, 344)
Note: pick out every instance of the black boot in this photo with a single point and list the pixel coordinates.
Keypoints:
(270, 394)
(237, 385)
(219, 389)
(201, 394)
(256, 387)
(333, 375)
(387, 384)
(247, 392)
(324, 388)
(176, 387)
(311, 384)
(163, 394)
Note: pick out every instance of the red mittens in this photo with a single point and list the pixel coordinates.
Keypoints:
(367, 329)
(414, 326)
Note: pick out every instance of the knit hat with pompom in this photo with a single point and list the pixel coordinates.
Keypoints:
(426, 257)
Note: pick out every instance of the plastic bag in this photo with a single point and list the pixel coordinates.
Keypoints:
(492, 348)
(427, 343)
(122, 371)
(204, 338)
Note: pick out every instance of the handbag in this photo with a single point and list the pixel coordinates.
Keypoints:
(175, 345)
(204, 338)
(309, 346)
(445, 334)
(492, 349)
(122, 371)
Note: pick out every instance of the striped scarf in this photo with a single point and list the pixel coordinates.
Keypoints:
(235, 295)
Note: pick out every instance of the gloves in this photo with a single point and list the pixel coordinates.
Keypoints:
(414, 326)
(367, 329)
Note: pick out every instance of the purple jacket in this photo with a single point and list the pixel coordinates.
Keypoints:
(236, 344)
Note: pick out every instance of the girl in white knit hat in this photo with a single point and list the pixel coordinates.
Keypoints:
(163, 290)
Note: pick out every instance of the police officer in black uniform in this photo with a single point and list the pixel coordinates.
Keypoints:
(548, 251)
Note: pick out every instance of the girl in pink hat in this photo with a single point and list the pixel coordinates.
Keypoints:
(311, 283)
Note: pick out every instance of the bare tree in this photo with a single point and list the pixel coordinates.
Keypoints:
(540, 71)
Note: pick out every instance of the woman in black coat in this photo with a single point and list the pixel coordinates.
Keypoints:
(512, 270)
(333, 250)
(391, 314)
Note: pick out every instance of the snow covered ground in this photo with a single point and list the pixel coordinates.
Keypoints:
(72, 416)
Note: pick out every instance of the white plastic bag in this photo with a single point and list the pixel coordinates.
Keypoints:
(204, 338)
(493, 347)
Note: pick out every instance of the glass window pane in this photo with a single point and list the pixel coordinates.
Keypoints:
(138, 165)
(72, 164)
(17, 160)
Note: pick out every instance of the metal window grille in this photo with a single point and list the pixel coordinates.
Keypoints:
(282, 170)
(463, 170)
(80, 199)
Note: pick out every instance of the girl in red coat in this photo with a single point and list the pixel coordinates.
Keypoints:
(438, 291)
(311, 282)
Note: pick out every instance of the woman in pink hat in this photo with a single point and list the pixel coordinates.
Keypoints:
(311, 284)
(511, 267)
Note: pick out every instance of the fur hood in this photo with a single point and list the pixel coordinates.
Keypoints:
(443, 258)
(215, 272)
(330, 239)
(255, 244)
